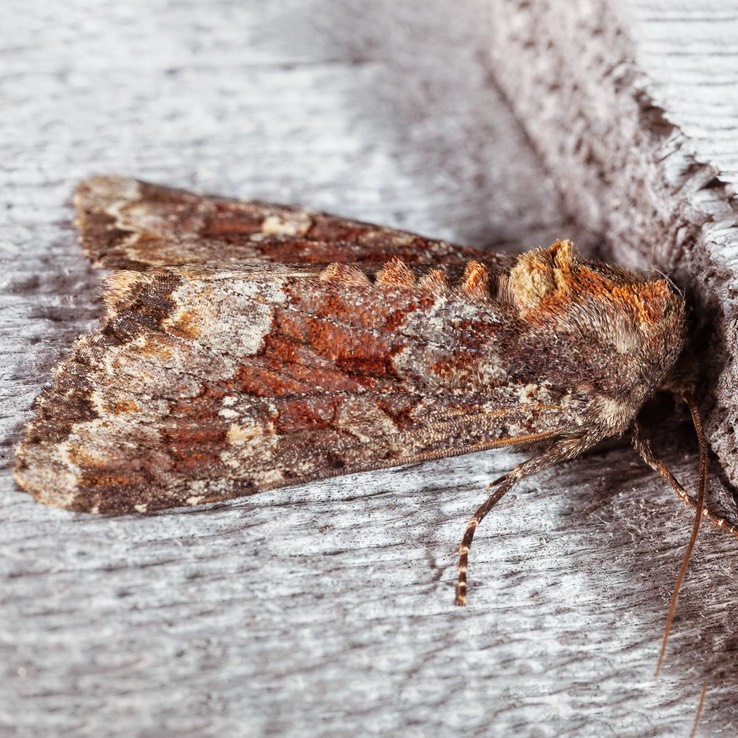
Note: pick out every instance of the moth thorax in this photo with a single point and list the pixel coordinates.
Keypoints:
(539, 274)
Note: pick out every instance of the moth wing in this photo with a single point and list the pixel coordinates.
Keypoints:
(207, 384)
(129, 224)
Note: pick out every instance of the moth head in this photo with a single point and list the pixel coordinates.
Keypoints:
(606, 315)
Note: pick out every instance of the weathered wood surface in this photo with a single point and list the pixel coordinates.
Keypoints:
(327, 609)
(633, 109)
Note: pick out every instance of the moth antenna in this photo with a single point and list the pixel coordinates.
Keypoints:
(643, 447)
(697, 714)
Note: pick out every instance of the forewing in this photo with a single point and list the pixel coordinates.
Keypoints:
(207, 384)
(129, 224)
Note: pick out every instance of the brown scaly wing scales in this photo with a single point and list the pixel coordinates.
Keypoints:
(205, 384)
(128, 224)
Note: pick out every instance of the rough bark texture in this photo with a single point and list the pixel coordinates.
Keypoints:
(607, 93)
(326, 610)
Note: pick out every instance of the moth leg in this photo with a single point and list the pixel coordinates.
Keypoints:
(560, 451)
(644, 449)
(643, 446)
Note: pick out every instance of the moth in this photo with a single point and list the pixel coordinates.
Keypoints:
(247, 346)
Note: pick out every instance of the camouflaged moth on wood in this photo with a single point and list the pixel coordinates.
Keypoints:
(248, 346)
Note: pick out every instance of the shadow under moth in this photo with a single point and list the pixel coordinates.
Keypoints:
(248, 346)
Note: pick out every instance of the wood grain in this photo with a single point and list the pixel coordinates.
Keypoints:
(326, 610)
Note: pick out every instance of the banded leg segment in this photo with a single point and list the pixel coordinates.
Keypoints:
(560, 451)
(643, 446)
(505, 484)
